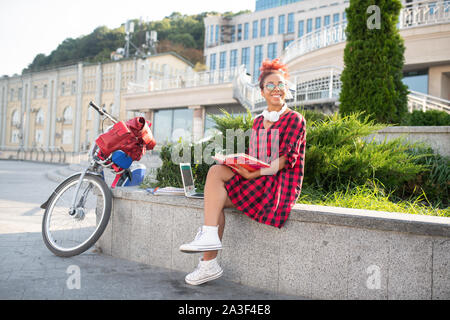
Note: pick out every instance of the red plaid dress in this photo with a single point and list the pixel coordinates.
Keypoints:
(269, 199)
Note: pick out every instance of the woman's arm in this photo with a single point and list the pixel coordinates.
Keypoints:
(275, 166)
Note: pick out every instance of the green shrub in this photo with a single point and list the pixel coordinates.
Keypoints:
(373, 59)
(336, 155)
(311, 116)
(169, 173)
(338, 159)
(371, 196)
(427, 118)
(233, 122)
(433, 181)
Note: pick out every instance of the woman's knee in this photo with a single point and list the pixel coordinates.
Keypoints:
(221, 172)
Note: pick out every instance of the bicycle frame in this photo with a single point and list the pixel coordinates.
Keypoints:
(96, 166)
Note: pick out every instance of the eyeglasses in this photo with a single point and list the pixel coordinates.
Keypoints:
(271, 86)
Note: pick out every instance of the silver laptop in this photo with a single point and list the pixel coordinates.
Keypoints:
(188, 182)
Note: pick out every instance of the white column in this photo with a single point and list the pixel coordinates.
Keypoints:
(26, 122)
(3, 111)
(98, 99)
(117, 87)
(78, 108)
(197, 122)
(53, 101)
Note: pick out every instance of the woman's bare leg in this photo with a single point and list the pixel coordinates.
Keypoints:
(216, 199)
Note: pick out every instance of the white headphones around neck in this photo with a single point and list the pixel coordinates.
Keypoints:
(273, 116)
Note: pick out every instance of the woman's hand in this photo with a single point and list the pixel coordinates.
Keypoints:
(245, 173)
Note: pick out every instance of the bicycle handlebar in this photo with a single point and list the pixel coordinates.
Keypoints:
(103, 112)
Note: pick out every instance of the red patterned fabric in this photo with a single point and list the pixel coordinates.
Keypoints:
(132, 137)
(269, 199)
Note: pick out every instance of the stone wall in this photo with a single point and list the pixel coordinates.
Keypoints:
(321, 252)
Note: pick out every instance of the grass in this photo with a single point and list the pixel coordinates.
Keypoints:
(371, 197)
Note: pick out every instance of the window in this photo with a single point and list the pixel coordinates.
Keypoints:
(35, 92)
(222, 60)
(40, 117)
(212, 62)
(15, 118)
(318, 23)
(217, 33)
(233, 33)
(245, 58)
(173, 124)
(44, 91)
(246, 27)
(63, 88)
(255, 29)
(239, 32)
(271, 22)
(15, 136)
(262, 32)
(11, 97)
(308, 25)
(344, 16)
(335, 18)
(301, 28)
(326, 21)
(68, 115)
(290, 26)
(38, 137)
(67, 136)
(417, 80)
(233, 58)
(257, 60)
(286, 43)
(162, 124)
(74, 87)
(211, 34)
(19, 94)
(281, 24)
(272, 50)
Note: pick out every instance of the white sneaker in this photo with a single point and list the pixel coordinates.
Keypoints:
(207, 239)
(205, 271)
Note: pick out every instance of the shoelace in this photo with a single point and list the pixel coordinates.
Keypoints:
(199, 233)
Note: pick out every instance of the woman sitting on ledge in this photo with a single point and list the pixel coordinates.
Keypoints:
(265, 195)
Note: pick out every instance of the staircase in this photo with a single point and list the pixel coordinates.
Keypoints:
(319, 87)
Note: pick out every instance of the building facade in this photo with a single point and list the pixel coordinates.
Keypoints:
(309, 36)
(247, 39)
(50, 108)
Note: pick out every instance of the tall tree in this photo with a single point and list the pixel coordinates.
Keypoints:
(373, 58)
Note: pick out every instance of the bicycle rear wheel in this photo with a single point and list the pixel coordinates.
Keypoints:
(67, 233)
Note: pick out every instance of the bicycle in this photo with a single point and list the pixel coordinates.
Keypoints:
(78, 211)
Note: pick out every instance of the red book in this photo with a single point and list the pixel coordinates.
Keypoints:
(244, 160)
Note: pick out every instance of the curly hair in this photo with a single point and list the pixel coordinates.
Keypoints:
(268, 67)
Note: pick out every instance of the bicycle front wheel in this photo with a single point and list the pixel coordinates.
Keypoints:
(71, 231)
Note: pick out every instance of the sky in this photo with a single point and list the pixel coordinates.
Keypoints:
(30, 27)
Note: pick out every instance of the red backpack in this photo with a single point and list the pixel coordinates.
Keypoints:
(132, 137)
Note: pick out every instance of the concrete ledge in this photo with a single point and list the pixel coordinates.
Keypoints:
(321, 252)
(437, 137)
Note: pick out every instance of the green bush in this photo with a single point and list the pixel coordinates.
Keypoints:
(433, 181)
(427, 118)
(337, 156)
(169, 173)
(373, 59)
(233, 122)
(338, 159)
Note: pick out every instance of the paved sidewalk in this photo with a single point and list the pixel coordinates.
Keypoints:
(28, 270)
